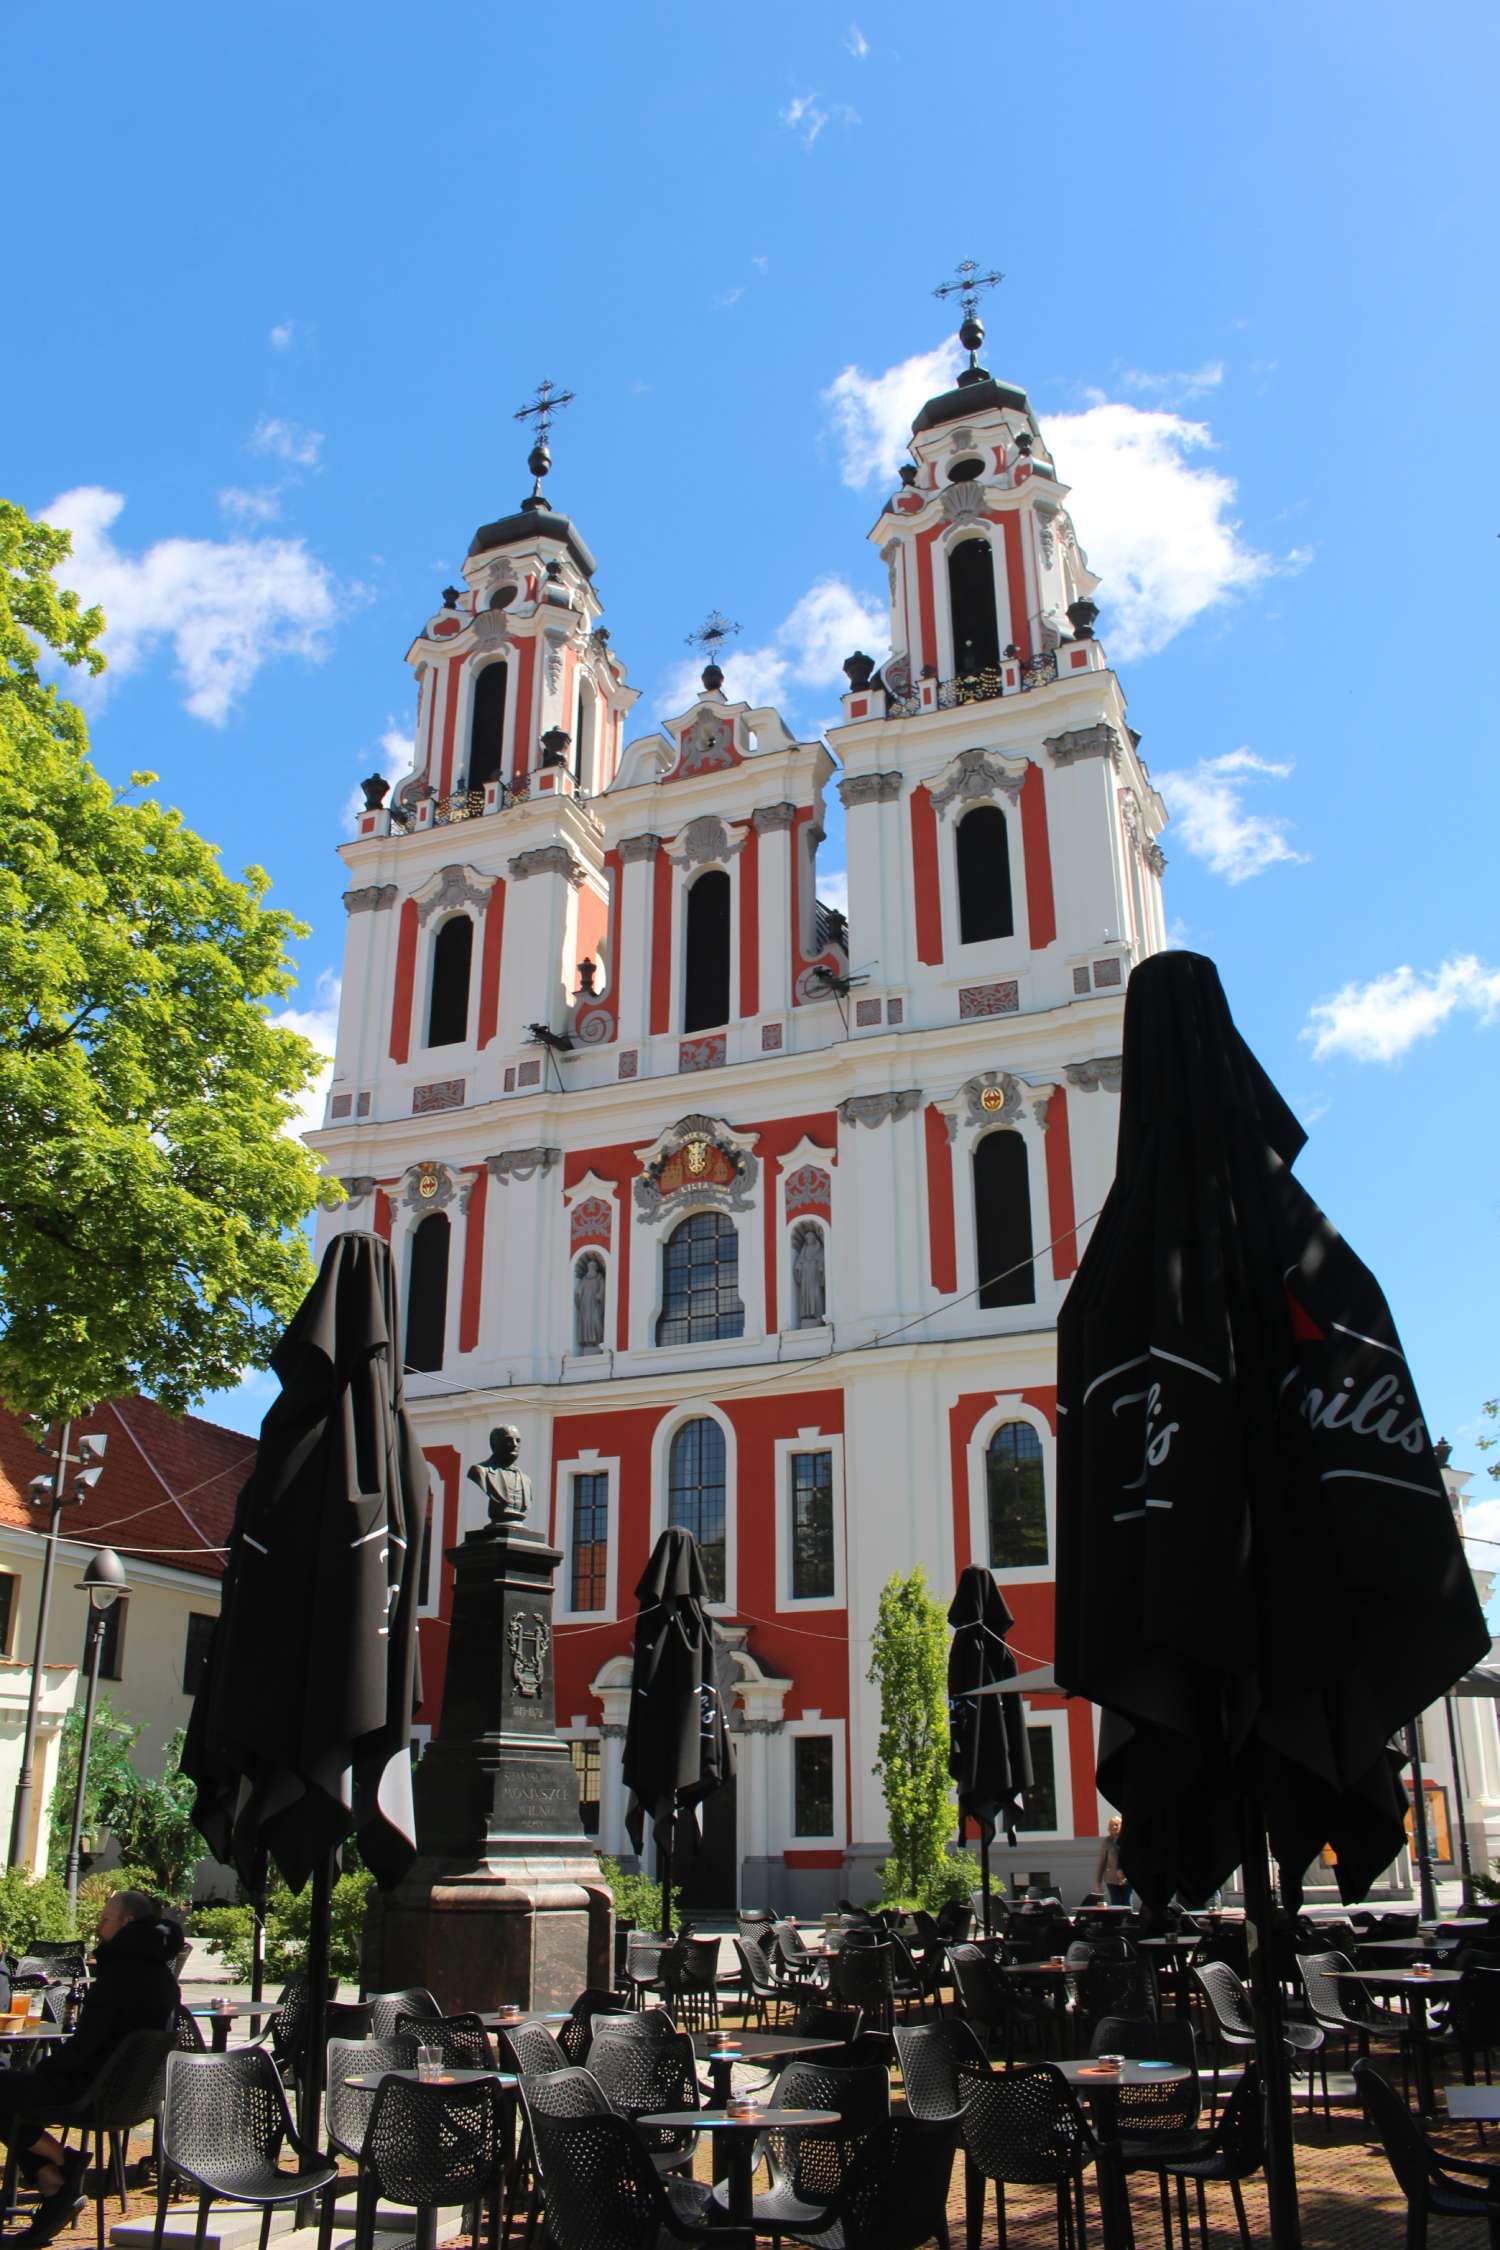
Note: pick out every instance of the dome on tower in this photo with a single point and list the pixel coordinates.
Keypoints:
(529, 524)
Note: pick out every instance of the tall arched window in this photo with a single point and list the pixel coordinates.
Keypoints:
(448, 1008)
(706, 960)
(696, 1495)
(487, 730)
(427, 1293)
(583, 737)
(1002, 1221)
(983, 853)
(1016, 1498)
(971, 605)
(700, 1282)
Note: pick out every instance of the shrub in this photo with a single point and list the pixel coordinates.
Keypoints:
(638, 1897)
(288, 1920)
(32, 1906)
(101, 1883)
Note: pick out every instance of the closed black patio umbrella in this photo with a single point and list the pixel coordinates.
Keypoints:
(1259, 1576)
(988, 1752)
(300, 1735)
(678, 1748)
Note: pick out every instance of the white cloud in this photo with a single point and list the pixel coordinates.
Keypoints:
(761, 264)
(1380, 1020)
(856, 42)
(393, 758)
(872, 414)
(320, 1024)
(263, 506)
(1154, 520)
(807, 650)
(1210, 818)
(729, 297)
(1176, 389)
(804, 117)
(226, 606)
(287, 441)
(833, 887)
(281, 335)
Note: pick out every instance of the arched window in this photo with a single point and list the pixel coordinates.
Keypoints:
(427, 1293)
(448, 1008)
(696, 1494)
(983, 853)
(583, 737)
(487, 731)
(1002, 1221)
(1016, 1498)
(700, 1278)
(706, 961)
(971, 606)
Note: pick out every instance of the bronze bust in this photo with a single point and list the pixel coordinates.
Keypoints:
(505, 1487)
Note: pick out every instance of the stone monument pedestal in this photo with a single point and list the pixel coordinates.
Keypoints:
(506, 1901)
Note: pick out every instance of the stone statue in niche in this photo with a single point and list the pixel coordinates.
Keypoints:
(505, 1487)
(588, 1305)
(808, 1281)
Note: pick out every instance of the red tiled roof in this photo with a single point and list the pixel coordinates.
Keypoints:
(167, 1493)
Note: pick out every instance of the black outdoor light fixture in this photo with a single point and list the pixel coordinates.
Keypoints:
(104, 1583)
(53, 1492)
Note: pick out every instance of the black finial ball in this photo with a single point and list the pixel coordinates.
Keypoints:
(908, 473)
(450, 597)
(859, 670)
(376, 789)
(971, 334)
(713, 678)
(539, 460)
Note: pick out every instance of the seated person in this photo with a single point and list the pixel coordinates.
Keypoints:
(134, 1988)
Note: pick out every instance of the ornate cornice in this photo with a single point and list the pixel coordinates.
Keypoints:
(1156, 858)
(548, 859)
(1099, 741)
(734, 1192)
(869, 789)
(1100, 1074)
(638, 847)
(358, 1187)
(767, 819)
(974, 775)
(521, 1164)
(453, 886)
(447, 1186)
(969, 1107)
(374, 898)
(874, 1109)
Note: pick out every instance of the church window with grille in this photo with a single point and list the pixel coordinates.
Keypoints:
(982, 850)
(487, 731)
(700, 1294)
(452, 960)
(1002, 1221)
(971, 601)
(812, 1526)
(697, 1494)
(1016, 1498)
(589, 1588)
(427, 1294)
(706, 959)
(584, 1752)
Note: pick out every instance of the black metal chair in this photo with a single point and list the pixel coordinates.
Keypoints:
(575, 2035)
(764, 1994)
(428, 2147)
(863, 1977)
(806, 2170)
(225, 2123)
(1347, 2011)
(1432, 2184)
(529, 2050)
(1155, 2122)
(125, 2093)
(387, 2009)
(1122, 1987)
(462, 2040)
(1233, 2152)
(604, 2193)
(346, 2108)
(792, 1956)
(931, 2056)
(695, 1986)
(1023, 2128)
(895, 2192)
(643, 1965)
(639, 2076)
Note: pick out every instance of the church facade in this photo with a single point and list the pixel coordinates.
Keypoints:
(745, 1214)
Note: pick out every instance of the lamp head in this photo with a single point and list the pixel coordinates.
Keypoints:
(104, 1581)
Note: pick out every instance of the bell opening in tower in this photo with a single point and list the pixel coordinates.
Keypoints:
(982, 850)
(971, 605)
(487, 733)
(1002, 1221)
(706, 962)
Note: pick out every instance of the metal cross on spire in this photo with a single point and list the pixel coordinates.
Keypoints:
(540, 410)
(711, 635)
(966, 285)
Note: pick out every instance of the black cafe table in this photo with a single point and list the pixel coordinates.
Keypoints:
(221, 2014)
(493, 2020)
(1412, 1987)
(1100, 2089)
(369, 2081)
(740, 2136)
(751, 2047)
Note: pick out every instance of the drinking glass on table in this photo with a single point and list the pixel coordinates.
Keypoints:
(429, 2064)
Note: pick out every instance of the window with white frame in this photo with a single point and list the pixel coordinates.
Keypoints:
(448, 999)
(700, 1282)
(1015, 1498)
(584, 1752)
(427, 1294)
(588, 1541)
(813, 1784)
(1002, 1220)
(1047, 1808)
(698, 1495)
(813, 1565)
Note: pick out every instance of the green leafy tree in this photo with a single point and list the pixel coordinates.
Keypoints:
(151, 1200)
(231, 1929)
(148, 1815)
(909, 1665)
(1491, 1409)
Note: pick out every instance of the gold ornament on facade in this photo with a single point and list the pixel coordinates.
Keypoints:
(697, 1152)
(427, 1183)
(992, 1098)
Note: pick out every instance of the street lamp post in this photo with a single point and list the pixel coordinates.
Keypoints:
(104, 1583)
(51, 1492)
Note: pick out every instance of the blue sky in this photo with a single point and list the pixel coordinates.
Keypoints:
(287, 273)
